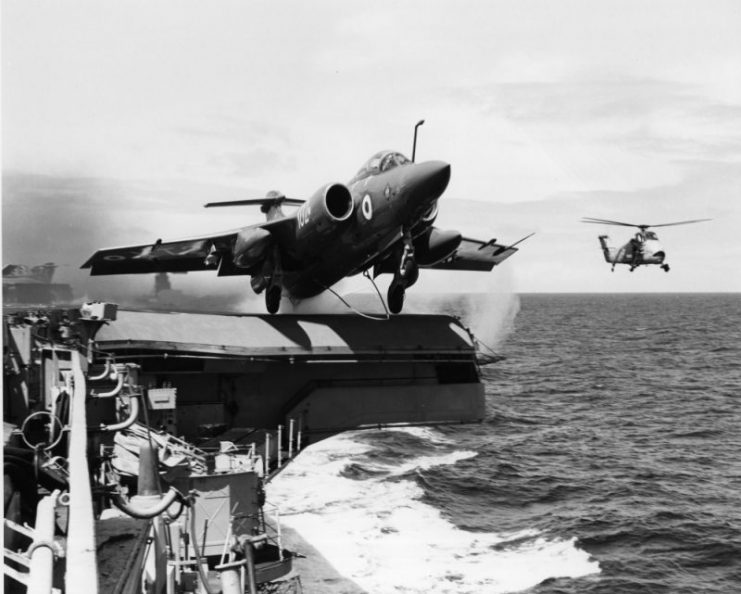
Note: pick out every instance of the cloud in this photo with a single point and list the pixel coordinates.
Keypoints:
(609, 110)
(254, 162)
(232, 128)
(588, 133)
(234, 147)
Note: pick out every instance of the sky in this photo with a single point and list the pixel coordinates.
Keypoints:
(121, 119)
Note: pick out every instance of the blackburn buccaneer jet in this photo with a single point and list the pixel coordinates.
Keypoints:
(382, 219)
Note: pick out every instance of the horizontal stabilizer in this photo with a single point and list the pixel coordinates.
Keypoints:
(265, 203)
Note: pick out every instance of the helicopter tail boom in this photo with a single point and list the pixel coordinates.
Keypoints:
(608, 252)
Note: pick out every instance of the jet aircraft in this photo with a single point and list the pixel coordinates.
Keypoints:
(641, 250)
(382, 219)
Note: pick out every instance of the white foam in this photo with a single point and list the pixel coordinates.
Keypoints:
(425, 462)
(427, 433)
(379, 534)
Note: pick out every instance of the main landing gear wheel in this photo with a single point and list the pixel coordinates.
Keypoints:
(665, 267)
(396, 298)
(409, 273)
(272, 299)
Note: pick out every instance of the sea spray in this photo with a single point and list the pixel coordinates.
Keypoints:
(491, 317)
(491, 314)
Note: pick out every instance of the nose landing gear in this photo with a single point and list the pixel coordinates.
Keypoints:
(665, 267)
(405, 276)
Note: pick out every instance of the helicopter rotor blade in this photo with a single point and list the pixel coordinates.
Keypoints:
(680, 223)
(608, 222)
(643, 227)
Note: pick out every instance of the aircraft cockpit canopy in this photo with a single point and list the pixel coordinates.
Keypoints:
(379, 163)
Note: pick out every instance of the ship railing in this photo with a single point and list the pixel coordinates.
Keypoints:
(81, 547)
(272, 527)
(291, 440)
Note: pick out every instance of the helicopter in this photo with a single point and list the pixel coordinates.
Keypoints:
(642, 249)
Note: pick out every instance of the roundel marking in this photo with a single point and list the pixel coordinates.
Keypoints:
(367, 207)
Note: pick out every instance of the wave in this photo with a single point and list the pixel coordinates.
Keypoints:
(368, 520)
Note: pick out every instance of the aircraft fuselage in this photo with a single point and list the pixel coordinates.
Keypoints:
(384, 206)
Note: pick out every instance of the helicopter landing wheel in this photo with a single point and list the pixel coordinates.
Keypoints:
(665, 267)
(272, 298)
(395, 298)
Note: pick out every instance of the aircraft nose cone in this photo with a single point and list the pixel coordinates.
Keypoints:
(428, 181)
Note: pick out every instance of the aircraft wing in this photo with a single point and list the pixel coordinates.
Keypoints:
(180, 255)
(171, 256)
(473, 254)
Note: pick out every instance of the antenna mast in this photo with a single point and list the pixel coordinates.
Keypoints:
(414, 145)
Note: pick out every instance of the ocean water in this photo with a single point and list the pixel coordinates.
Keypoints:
(610, 460)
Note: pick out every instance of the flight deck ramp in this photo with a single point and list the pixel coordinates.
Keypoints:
(326, 373)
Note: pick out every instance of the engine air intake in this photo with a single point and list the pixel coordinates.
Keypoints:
(338, 201)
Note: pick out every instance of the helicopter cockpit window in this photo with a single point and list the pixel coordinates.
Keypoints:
(651, 235)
